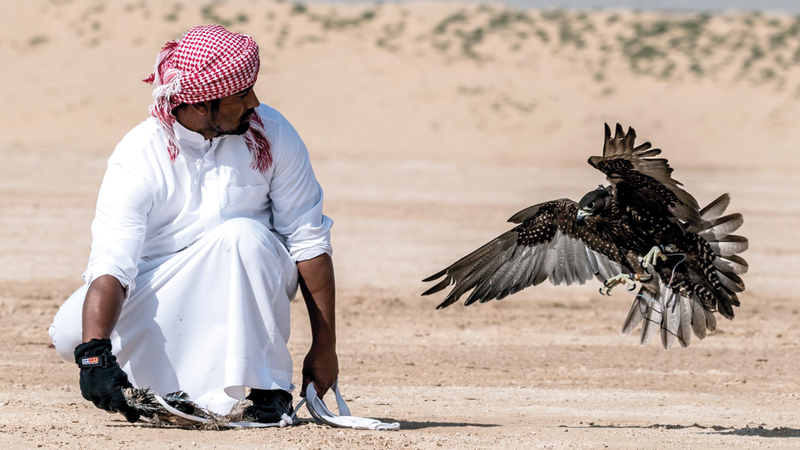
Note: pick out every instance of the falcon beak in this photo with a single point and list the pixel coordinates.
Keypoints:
(581, 215)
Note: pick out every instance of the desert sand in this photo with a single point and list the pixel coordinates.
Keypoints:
(429, 124)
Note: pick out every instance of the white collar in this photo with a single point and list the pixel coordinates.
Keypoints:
(185, 134)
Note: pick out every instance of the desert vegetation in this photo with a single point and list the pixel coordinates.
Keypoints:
(748, 46)
(456, 73)
(745, 46)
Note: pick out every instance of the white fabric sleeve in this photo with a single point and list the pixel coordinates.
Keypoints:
(119, 226)
(297, 199)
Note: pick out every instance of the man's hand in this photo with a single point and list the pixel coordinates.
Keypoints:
(321, 366)
(101, 379)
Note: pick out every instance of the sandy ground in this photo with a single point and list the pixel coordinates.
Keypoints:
(545, 368)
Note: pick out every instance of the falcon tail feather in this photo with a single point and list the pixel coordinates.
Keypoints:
(733, 264)
(722, 227)
(716, 208)
(727, 265)
(685, 327)
(671, 320)
(666, 312)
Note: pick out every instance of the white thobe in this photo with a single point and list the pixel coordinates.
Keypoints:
(206, 248)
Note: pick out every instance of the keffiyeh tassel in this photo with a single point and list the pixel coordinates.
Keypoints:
(166, 85)
(258, 144)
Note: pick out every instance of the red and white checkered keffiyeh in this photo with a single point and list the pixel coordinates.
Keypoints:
(207, 63)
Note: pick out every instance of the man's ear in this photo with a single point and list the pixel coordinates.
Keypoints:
(202, 108)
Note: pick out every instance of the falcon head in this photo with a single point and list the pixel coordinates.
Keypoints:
(593, 203)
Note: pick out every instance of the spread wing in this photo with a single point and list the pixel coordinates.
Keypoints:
(646, 180)
(549, 242)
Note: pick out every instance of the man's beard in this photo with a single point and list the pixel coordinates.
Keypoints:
(241, 129)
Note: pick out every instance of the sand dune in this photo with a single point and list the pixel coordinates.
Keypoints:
(427, 80)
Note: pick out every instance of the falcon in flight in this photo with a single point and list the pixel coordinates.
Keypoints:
(642, 227)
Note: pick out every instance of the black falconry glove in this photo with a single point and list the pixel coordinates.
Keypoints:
(102, 380)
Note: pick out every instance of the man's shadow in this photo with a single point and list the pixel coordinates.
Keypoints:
(761, 431)
(408, 425)
(404, 425)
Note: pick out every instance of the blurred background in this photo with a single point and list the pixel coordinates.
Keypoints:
(499, 83)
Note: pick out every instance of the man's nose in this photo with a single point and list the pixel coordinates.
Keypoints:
(251, 99)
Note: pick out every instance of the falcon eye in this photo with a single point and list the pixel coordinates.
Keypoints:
(590, 205)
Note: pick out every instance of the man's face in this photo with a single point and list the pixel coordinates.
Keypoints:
(231, 114)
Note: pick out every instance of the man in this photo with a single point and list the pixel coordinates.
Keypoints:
(207, 219)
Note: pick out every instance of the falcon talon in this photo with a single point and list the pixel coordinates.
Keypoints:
(652, 257)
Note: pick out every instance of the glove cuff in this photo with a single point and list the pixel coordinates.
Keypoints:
(95, 353)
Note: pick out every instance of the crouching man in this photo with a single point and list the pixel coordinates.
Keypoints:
(208, 218)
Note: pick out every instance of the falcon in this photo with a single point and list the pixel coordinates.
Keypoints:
(642, 227)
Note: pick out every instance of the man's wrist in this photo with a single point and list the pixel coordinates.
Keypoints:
(324, 344)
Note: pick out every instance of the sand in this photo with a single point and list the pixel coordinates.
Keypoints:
(426, 136)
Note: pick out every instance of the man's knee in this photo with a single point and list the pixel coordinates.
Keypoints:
(65, 337)
(245, 233)
(66, 331)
